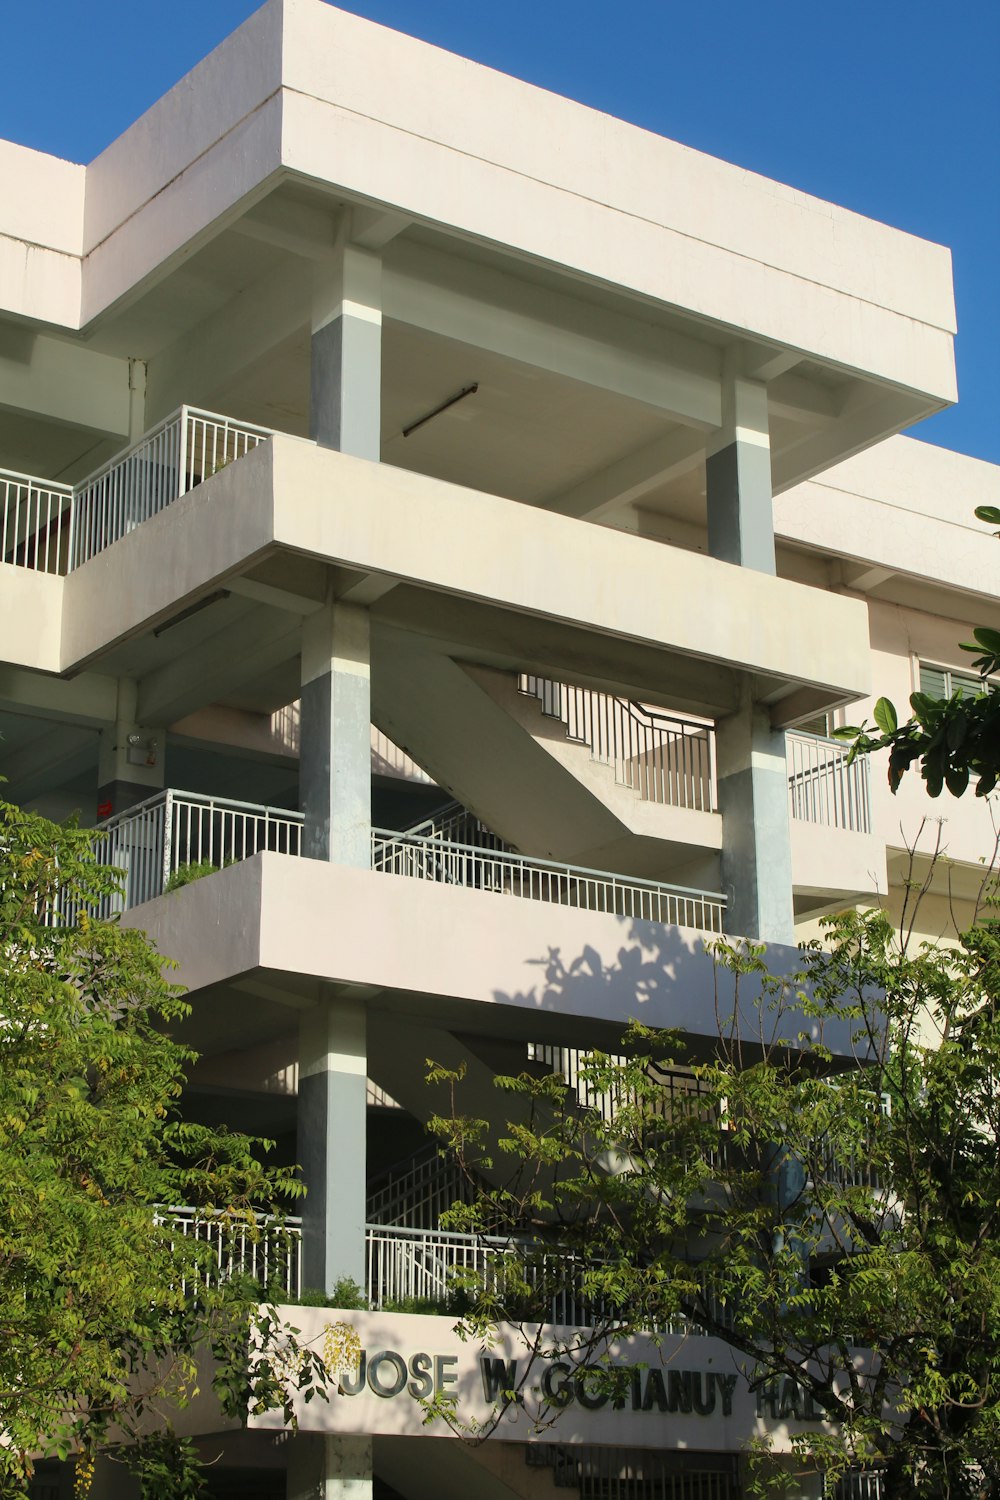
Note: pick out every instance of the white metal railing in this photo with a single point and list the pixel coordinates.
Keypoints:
(544, 880)
(154, 840)
(678, 1092)
(267, 1249)
(661, 756)
(457, 825)
(180, 452)
(823, 788)
(418, 1191)
(429, 1265)
(34, 522)
(406, 1264)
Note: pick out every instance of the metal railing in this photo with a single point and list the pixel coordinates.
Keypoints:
(428, 1265)
(626, 1474)
(678, 1093)
(661, 756)
(172, 831)
(455, 824)
(823, 788)
(266, 1249)
(544, 880)
(418, 1191)
(159, 839)
(180, 452)
(34, 522)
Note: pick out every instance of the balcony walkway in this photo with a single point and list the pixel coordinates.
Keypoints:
(174, 835)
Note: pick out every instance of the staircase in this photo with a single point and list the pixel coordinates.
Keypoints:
(415, 1192)
(662, 757)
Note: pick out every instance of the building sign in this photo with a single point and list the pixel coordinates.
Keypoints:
(690, 1391)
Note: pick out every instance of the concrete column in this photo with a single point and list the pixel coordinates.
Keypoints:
(738, 475)
(329, 1468)
(335, 735)
(131, 757)
(136, 399)
(346, 366)
(753, 801)
(332, 1119)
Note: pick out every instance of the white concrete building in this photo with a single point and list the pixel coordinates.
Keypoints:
(453, 511)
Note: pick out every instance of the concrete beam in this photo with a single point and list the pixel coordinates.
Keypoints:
(373, 228)
(799, 400)
(302, 229)
(52, 757)
(215, 667)
(193, 367)
(63, 382)
(629, 479)
(276, 598)
(551, 331)
(89, 698)
(761, 363)
(862, 423)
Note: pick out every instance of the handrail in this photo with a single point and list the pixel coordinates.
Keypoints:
(260, 808)
(503, 873)
(551, 864)
(171, 829)
(663, 757)
(823, 787)
(124, 454)
(152, 473)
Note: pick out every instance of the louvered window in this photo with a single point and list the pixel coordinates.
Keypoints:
(819, 724)
(942, 682)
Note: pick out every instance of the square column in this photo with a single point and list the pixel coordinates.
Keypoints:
(756, 848)
(331, 1146)
(335, 736)
(329, 1468)
(738, 475)
(346, 366)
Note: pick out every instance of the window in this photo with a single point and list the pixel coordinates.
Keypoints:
(942, 682)
(821, 724)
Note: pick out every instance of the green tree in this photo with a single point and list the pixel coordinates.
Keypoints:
(955, 739)
(797, 1212)
(108, 1318)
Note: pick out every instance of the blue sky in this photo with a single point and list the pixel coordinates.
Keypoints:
(890, 107)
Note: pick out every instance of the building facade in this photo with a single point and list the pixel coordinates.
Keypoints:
(456, 519)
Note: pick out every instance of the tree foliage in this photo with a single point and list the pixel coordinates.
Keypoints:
(955, 739)
(109, 1319)
(835, 1224)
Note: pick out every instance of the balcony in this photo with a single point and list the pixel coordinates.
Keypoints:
(164, 840)
(52, 528)
(403, 1267)
(824, 788)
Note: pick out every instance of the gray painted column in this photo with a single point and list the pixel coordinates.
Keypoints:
(346, 364)
(335, 735)
(329, 1468)
(130, 759)
(756, 850)
(332, 1118)
(738, 476)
